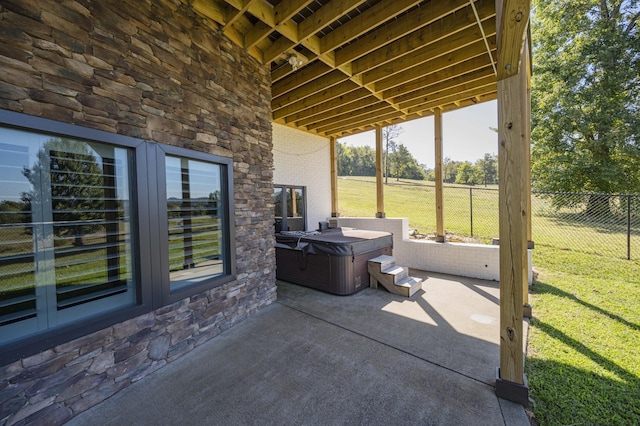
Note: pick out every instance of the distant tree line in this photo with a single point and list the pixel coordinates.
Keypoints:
(399, 163)
(482, 172)
(361, 161)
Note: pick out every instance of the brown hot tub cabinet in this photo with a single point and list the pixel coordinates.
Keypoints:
(334, 260)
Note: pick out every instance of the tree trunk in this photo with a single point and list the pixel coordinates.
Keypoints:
(598, 205)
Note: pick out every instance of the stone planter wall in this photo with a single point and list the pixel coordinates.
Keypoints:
(154, 70)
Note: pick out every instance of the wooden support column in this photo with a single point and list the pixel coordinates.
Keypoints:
(333, 149)
(512, 22)
(437, 117)
(379, 182)
(525, 74)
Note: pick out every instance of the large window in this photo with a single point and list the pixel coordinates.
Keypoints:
(290, 208)
(65, 232)
(96, 227)
(195, 218)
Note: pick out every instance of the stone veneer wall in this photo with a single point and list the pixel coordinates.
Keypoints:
(155, 70)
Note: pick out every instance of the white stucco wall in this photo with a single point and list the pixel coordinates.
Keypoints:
(303, 159)
(467, 260)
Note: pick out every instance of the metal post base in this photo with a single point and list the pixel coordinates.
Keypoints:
(511, 391)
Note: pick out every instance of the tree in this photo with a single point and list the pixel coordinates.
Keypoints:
(77, 194)
(389, 136)
(487, 168)
(467, 174)
(406, 166)
(586, 98)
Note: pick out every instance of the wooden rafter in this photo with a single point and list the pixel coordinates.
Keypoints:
(368, 62)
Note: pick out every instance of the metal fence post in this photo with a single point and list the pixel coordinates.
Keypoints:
(471, 208)
(628, 226)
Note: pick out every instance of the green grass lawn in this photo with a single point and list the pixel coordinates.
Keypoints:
(583, 361)
(583, 358)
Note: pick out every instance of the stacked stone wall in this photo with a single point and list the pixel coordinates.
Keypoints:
(153, 70)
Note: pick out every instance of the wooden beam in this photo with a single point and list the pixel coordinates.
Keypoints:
(353, 116)
(370, 120)
(526, 183)
(376, 15)
(325, 16)
(303, 76)
(449, 88)
(232, 17)
(422, 85)
(513, 242)
(512, 163)
(379, 183)
(460, 96)
(431, 25)
(328, 80)
(400, 27)
(513, 26)
(325, 95)
(442, 63)
(286, 10)
(342, 113)
(211, 10)
(457, 41)
(334, 176)
(347, 102)
(437, 117)
(277, 48)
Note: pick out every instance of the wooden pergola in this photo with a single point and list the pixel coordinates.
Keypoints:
(340, 67)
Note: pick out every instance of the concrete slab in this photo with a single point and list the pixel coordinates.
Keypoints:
(315, 358)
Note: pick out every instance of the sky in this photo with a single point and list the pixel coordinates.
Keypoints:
(466, 135)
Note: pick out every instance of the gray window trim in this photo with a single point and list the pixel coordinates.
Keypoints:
(147, 158)
(283, 213)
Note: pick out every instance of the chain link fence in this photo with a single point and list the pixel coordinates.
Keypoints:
(604, 224)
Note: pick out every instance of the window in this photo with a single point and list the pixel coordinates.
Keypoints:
(96, 228)
(290, 208)
(65, 231)
(195, 221)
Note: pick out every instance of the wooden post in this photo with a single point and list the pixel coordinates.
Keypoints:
(333, 152)
(379, 184)
(437, 117)
(512, 19)
(526, 183)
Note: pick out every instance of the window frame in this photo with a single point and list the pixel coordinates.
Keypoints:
(283, 211)
(226, 180)
(147, 177)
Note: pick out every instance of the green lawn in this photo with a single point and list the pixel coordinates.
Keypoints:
(583, 360)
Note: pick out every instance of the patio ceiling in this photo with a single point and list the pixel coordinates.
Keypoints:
(365, 62)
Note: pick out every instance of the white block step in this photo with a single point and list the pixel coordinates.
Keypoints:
(396, 279)
(410, 285)
(384, 261)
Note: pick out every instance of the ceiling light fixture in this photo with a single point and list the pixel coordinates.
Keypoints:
(295, 62)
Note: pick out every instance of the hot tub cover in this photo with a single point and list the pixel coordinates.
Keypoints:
(335, 241)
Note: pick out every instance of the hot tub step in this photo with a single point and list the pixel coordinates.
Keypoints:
(394, 278)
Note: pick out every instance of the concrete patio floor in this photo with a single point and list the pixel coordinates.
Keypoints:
(312, 358)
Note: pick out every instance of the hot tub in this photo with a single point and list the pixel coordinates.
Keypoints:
(334, 260)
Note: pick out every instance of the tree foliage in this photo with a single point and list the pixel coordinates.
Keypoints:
(76, 194)
(586, 96)
(389, 136)
(361, 161)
